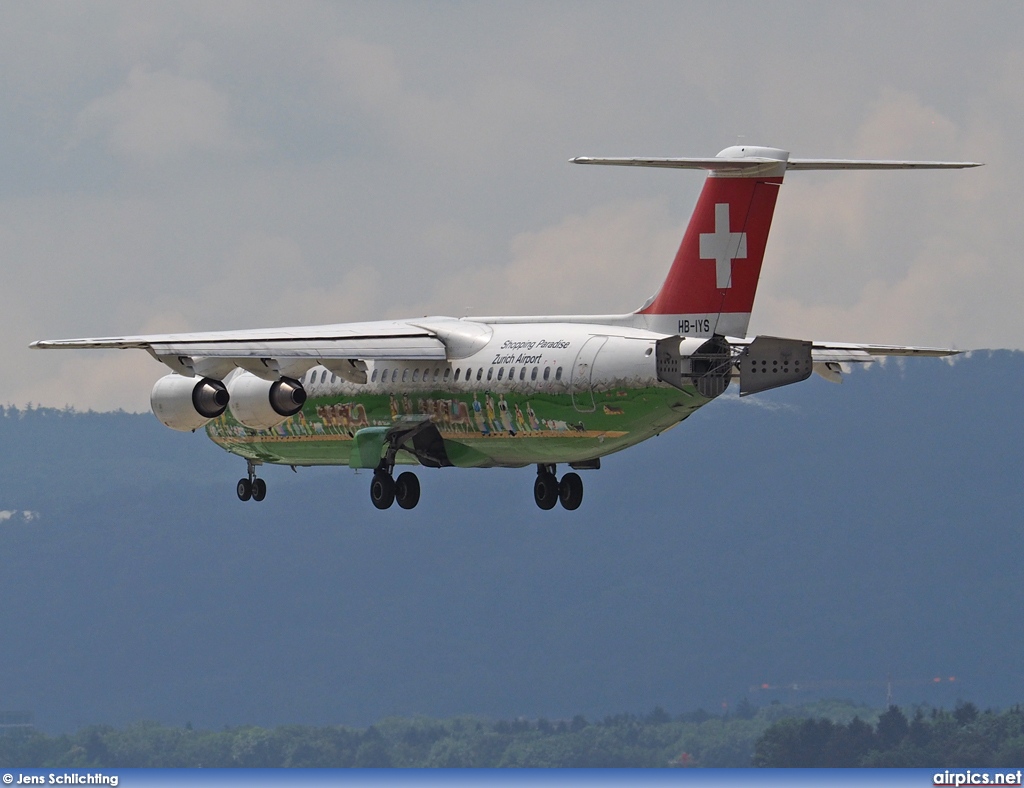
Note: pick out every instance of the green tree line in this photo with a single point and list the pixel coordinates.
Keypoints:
(931, 738)
(831, 733)
(657, 739)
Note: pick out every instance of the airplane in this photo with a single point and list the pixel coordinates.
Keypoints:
(482, 392)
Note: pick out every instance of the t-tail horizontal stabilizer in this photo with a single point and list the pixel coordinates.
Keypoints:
(746, 161)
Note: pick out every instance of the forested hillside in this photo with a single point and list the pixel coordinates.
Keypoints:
(826, 734)
(929, 738)
(623, 740)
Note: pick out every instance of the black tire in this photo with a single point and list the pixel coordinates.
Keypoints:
(545, 491)
(407, 490)
(259, 489)
(382, 490)
(244, 490)
(570, 491)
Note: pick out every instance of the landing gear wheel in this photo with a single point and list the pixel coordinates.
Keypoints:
(570, 491)
(244, 489)
(259, 489)
(382, 490)
(407, 490)
(545, 490)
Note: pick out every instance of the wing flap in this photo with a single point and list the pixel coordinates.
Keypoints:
(396, 348)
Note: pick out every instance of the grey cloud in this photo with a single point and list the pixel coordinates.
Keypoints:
(156, 115)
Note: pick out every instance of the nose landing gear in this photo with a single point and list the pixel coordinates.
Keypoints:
(548, 490)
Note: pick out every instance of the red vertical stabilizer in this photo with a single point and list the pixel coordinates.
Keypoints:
(711, 285)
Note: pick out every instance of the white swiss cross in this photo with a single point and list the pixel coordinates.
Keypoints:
(723, 246)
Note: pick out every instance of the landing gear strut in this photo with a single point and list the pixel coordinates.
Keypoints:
(386, 490)
(251, 487)
(548, 490)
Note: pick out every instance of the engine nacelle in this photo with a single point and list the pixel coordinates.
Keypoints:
(261, 404)
(187, 404)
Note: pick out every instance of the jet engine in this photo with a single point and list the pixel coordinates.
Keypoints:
(187, 404)
(261, 404)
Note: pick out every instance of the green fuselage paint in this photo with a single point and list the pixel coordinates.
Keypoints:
(480, 428)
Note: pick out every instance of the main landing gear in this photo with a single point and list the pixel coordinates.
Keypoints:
(251, 487)
(405, 490)
(386, 490)
(548, 490)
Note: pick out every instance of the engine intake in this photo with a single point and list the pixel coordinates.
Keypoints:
(187, 404)
(261, 404)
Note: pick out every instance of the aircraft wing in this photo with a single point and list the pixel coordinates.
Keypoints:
(850, 352)
(393, 340)
(271, 352)
(838, 352)
(828, 357)
(768, 362)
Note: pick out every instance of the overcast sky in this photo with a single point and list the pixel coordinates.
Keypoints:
(193, 166)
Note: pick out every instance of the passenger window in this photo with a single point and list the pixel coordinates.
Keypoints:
(373, 377)
(533, 373)
(457, 372)
(522, 374)
(447, 374)
(384, 376)
(437, 374)
(479, 373)
(416, 375)
(558, 374)
(394, 376)
(334, 379)
(405, 374)
(490, 373)
(501, 371)
(323, 376)
(547, 372)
